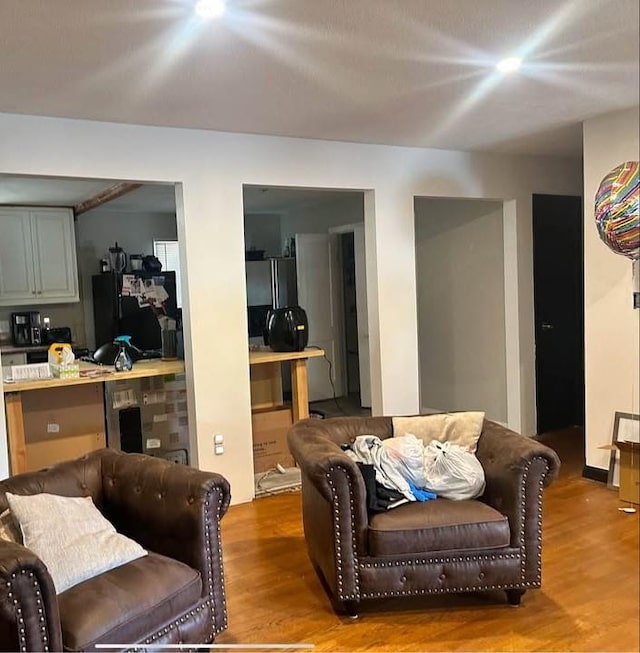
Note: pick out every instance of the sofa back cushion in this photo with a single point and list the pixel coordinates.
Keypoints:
(75, 478)
(462, 428)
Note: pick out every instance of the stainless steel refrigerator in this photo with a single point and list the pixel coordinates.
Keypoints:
(271, 283)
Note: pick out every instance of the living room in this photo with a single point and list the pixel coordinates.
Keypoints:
(42, 138)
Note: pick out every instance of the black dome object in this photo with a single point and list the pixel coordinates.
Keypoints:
(286, 329)
(152, 264)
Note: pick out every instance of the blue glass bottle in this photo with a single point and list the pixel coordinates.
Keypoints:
(123, 362)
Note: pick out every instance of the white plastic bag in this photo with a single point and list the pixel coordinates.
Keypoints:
(407, 454)
(452, 472)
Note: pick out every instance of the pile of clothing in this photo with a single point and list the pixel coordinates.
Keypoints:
(401, 469)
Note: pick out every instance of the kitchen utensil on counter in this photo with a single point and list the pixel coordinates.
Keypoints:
(168, 338)
(135, 262)
(25, 329)
(118, 258)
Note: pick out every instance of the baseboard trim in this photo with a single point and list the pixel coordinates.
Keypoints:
(595, 473)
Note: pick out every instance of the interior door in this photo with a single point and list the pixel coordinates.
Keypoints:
(318, 293)
(363, 317)
(559, 311)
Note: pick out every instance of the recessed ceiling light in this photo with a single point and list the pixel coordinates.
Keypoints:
(509, 65)
(210, 8)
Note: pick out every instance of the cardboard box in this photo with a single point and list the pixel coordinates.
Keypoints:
(270, 439)
(629, 471)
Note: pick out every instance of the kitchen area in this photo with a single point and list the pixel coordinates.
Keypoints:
(81, 263)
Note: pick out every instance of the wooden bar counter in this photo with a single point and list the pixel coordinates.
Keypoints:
(266, 386)
(270, 418)
(41, 402)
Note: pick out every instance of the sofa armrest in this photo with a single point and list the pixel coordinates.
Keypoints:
(29, 618)
(334, 505)
(517, 469)
(171, 509)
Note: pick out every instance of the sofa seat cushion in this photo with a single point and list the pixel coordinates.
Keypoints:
(111, 608)
(437, 525)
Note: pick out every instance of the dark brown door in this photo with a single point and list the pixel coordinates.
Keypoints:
(559, 311)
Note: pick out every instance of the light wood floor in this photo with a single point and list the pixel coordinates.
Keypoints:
(589, 599)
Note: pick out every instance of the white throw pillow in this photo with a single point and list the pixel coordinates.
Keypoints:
(463, 429)
(71, 537)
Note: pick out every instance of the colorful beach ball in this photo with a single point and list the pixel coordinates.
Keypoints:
(617, 217)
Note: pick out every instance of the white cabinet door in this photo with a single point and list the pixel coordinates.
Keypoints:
(37, 257)
(54, 255)
(17, 283)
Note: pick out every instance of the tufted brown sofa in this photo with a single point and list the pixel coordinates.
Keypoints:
(438, 546)
(173, 595)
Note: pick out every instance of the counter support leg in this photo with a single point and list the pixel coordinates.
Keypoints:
(299, 389)
(15, 432)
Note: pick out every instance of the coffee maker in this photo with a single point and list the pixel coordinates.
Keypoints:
(25, 329)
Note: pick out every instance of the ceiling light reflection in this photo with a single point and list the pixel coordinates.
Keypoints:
(210, 8)
(509, 65)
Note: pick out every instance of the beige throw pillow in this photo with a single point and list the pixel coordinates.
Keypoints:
(71, 537)
(459, 428)
(9, 530)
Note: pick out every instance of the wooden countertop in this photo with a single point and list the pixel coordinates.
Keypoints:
(98, 373)
(268, 356)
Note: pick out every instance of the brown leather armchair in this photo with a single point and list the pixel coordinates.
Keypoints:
(173, 595)
(439, 546)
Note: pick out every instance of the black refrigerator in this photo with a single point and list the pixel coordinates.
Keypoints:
(129, 304)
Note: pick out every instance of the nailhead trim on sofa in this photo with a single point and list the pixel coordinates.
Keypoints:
(22, 637)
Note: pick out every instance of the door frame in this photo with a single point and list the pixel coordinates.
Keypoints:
(344, 229)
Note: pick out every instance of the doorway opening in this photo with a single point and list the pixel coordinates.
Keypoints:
(310, 230)
(559, 312)
(83, 220)
(460, 284)
(352, 362)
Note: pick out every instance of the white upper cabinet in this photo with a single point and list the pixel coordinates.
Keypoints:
(37, 256)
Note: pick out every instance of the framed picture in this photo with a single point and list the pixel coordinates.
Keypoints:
(626, 428)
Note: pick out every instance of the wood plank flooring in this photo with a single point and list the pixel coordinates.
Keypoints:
(589, 600)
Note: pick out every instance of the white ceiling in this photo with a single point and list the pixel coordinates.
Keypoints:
(400, 72)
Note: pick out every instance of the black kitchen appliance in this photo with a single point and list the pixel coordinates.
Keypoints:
(287, 329)
(125, 304)
(25, 329)
(56, 334)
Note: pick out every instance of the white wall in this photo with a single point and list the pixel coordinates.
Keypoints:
(612, 326)
(262, 231)
(211, 169)
(99, 229)
(319, 218)
(461, 310)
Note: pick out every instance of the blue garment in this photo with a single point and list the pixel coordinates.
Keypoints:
(421, 494)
